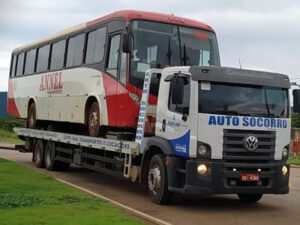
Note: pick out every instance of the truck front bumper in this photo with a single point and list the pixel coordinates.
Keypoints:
(225, 178)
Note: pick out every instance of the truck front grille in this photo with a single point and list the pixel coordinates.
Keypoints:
(235, 152)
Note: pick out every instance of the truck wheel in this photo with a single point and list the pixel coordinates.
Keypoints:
(94, 120)
(250, 198)
(157, 180)
(31, 120)
(38, 154)
(49, 157)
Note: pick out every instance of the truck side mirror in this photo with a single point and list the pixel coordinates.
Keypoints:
(126, 42)
(177, 88)
(296, 95)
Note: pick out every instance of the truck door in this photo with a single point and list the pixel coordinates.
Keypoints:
(174, 117)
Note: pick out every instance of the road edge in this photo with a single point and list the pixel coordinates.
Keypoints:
(118, 204)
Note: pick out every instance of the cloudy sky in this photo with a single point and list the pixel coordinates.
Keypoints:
(262, 34)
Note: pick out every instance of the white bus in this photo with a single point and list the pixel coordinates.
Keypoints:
(93, 73)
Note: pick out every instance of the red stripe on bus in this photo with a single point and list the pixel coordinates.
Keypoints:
(12, 107)
(11, 103)
(121, 109)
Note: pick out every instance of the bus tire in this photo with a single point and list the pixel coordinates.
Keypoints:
(31, 119)
(250, 198)
(38, 154)
(94, 120)
(49, 158)
(158, 181)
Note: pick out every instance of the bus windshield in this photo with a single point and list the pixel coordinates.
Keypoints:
(242, 100)
(159, 45)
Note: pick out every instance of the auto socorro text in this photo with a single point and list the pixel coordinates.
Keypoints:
(247, 121)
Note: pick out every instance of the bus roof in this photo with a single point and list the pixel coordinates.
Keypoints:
(128, 15)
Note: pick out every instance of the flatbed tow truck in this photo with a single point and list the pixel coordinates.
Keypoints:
(218, 130)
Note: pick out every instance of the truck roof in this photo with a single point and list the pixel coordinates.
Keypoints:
(239, 76)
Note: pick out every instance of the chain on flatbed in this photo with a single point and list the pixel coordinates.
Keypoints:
(126, 147)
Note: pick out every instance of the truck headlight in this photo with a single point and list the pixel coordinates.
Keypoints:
(202, 169)
(203, 150)
(284, 170)
(285, 153)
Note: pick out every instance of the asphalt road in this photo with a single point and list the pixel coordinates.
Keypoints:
(220, 209)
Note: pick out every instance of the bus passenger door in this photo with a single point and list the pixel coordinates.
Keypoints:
(110, 80)
(127, 108)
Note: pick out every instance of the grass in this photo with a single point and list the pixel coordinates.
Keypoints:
(30, 198)
(6, 129)
(9, 137)
(294, 161)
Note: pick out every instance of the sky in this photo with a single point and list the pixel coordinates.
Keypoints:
(260, 34)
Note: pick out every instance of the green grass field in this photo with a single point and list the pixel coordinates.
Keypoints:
(294, 161)
(30, 198)
(6, 130)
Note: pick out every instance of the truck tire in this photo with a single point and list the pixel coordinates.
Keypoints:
(94, 120)
(158, 181)
(31, 119)
(250, 198)
(49, 158)
(38, 154)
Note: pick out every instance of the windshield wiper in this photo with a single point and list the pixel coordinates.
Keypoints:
(169, 54)
(185, 57)
(231, 112)
(268, 114)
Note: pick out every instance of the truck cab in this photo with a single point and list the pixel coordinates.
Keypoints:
(221, 130)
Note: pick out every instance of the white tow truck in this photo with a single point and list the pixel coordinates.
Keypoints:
(218, 130)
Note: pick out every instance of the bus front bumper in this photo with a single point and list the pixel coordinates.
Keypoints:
(225, 178)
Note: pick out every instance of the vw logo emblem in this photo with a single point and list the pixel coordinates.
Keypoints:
(251, 143)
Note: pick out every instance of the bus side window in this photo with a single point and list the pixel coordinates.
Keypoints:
(30, 62)
(95, 46)
(13, 66)
(20, 65)
(57, 55)
(113, 57)
(75, 50)
(43, 59)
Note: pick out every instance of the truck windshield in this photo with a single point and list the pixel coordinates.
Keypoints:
(159, 45)
(231, 99)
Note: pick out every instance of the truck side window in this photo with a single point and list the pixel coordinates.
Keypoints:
(185, 106)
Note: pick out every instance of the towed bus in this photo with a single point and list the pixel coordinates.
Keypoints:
(93, 73)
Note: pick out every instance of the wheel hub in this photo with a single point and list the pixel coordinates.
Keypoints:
(94, 119)
(38, 155)
(154, 179)
(48, 157)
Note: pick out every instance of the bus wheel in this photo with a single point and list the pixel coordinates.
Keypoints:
(157, 180)
(38, 154)
(250, 198)
(49, 158)
(31, 120)
(94, 120)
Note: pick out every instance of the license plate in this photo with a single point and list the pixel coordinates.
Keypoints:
(249, 177)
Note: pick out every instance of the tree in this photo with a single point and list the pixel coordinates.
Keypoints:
(295, 120)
